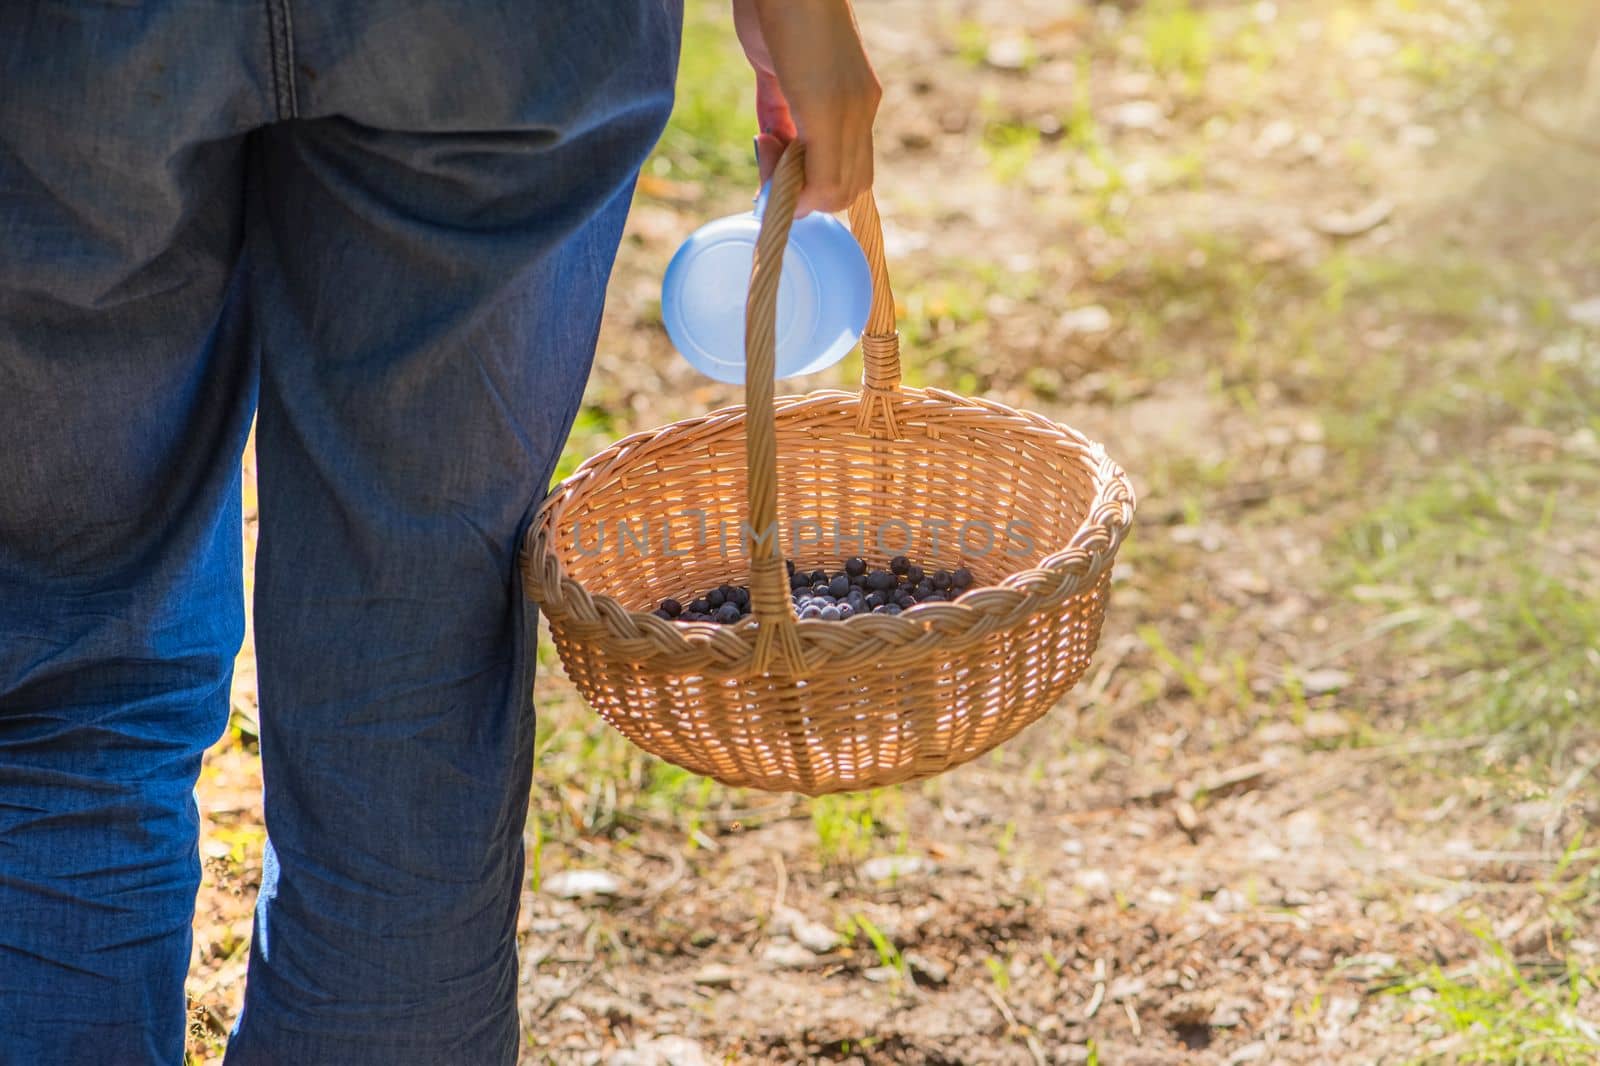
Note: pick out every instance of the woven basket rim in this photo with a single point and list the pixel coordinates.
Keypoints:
(1020, 595)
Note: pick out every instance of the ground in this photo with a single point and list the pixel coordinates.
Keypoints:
(1323, 277)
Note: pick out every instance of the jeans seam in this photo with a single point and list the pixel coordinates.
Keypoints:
(281, 38)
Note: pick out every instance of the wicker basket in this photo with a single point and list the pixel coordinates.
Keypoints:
(1032, 508)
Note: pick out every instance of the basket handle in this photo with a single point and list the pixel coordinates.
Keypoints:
(776, 637)
(777, 641)
(880, 344)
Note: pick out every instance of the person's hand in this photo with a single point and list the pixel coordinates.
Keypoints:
(814, 82)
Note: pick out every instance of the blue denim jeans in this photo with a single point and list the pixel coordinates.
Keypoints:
(384, 229)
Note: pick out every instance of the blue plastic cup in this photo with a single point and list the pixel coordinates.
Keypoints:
(824, 294)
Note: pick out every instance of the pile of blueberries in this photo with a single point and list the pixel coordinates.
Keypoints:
(832, 597)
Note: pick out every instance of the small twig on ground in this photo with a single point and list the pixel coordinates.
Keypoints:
(215, 1021)
(1034, 1047)
(639, 1009)
(1099, 996)
(1240, 778)
(1409, 747)
(680, 866)
(1543, 969)
(1102, 677)
(782, 890)
(1000, 1005)
(1133, 1018)
(1558, 802)
(1188, 819)
(566, 993)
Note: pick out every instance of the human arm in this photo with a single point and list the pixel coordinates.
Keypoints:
(814, 83)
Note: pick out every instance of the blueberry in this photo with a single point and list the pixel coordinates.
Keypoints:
(877, 599)
(891, 608)
(900, 564)
(811, 611)
(728, 614)
(961, 577)
(819, 577)
(923, 588)
(700, 605)
(672, 607)
(845, 611)
(906, 599)
(715, 598)
(940, 579)
(914, 574)
(662, 612)
(839, 586)
(788, 564)
(858, 580)
(800, 581)
(741, 597)
(881, 580)
(830, 613)
(855, 566)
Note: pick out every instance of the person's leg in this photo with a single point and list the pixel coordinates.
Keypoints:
(431, 262)
(126, 385)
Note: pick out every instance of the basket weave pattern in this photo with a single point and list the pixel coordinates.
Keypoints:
(1033, 509)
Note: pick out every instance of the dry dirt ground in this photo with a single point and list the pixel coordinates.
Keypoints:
(1323, 277)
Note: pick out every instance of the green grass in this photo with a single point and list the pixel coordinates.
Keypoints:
(605, 785)
(1177, 39)
(1504, 608)
(945, 323)
(848, 824)
(1501, 1016)
(999, 973)
(602, 785)
(888, 954)
(844, 825)
(971, 39)
(1490, 546)
(707, 139)
(1498, 1010)
(1010, 147)
(594, 428)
